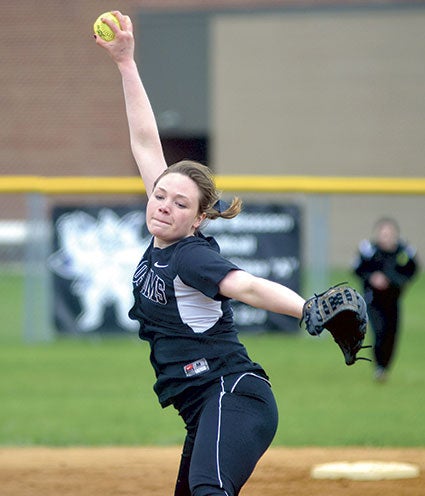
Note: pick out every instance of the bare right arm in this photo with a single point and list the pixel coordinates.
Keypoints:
(261, 293)
(144, 136)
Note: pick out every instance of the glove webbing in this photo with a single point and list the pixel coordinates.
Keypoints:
(336, 299)
(334, 302)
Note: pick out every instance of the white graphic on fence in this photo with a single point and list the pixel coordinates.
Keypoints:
(99, 256)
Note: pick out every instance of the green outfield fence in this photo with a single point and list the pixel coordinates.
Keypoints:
(35, 239)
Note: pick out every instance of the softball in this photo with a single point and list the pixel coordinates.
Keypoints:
(103, 30)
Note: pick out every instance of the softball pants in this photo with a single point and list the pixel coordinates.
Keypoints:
(229, 427)
(384, 319)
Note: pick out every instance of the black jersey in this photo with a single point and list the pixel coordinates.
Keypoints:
(399, 266)
(188, 324)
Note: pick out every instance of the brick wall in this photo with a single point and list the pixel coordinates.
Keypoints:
(62, 109)
(61, 104)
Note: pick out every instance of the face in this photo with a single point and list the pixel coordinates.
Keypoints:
(387, 237)
(172, 211)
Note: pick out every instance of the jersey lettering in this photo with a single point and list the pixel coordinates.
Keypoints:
(139, 274)
(152, 286)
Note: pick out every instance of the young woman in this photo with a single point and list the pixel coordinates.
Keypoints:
(182, 287)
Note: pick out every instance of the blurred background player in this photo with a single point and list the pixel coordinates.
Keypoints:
(385, 264)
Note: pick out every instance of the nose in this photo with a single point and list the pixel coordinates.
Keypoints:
(164, 207)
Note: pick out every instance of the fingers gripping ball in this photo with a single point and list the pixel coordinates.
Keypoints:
(102, 29)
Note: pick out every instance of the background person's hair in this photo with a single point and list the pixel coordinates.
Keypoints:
(383, 221)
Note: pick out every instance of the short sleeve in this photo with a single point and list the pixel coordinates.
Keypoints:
(202, 267)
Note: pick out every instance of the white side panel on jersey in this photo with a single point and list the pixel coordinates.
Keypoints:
(196, 310)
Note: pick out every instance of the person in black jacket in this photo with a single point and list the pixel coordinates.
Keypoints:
(385, 264)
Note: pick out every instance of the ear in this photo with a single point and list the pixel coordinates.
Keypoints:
(199, 219)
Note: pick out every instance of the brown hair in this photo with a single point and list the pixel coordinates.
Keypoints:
(209, 196)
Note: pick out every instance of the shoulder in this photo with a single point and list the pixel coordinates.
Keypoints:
(367, 249)
(200, 253)
(199, 242)
(410, 250)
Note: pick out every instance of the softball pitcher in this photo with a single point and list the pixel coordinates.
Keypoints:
(182, 291)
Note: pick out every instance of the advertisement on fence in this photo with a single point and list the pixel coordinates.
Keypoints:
(96, 251)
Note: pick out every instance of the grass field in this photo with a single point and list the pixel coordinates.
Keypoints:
(98, 391)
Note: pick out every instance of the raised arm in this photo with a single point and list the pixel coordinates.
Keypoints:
(144, 136)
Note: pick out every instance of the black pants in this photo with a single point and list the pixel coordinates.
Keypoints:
(229, 427)
(384, 319)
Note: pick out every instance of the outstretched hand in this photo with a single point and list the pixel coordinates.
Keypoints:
(121, 48)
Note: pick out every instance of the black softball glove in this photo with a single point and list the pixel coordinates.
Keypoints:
(342, 311)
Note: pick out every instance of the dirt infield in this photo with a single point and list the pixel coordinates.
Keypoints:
(151, 472)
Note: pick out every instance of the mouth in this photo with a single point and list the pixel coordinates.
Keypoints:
(160, 221)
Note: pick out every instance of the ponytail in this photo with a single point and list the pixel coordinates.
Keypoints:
(224, 210)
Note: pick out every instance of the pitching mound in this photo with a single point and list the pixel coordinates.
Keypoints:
(152, 471)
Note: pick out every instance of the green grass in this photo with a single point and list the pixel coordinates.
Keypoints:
(95, 391)
(11, 306)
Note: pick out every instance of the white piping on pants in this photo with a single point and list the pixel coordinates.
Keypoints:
(222, 393)
(248, 373)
